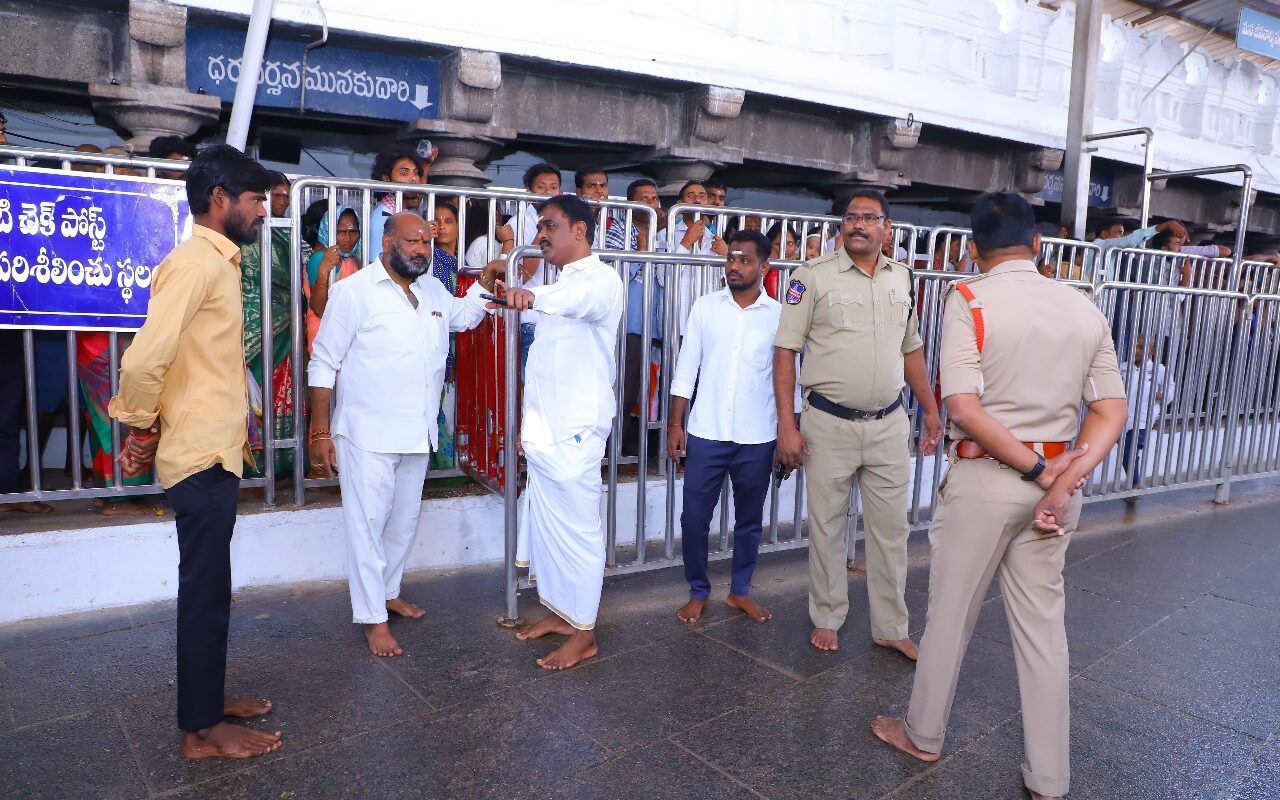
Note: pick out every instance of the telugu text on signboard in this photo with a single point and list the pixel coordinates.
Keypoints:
(335, 80)
(80, 250)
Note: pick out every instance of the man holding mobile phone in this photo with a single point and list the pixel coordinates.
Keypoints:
(728, 355)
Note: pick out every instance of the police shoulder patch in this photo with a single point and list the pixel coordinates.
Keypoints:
(795, 292)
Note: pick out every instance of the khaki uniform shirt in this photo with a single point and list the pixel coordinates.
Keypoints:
(1046, 348)
(853, 327)
(186, 364)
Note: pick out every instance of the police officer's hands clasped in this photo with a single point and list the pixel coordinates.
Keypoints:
(1051, 512)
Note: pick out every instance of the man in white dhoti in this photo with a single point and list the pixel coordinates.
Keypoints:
(384, 339)
(568, 412)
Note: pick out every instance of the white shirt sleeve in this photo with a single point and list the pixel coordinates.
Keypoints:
(333, 341)
(588, 300)
(467, 311)
(690, 361)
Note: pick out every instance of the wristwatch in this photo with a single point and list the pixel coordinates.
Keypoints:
(1034, 472)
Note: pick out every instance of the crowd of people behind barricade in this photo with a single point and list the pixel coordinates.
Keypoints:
(331, 251)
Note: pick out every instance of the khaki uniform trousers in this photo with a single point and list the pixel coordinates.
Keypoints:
(983, 528)
(877, 452)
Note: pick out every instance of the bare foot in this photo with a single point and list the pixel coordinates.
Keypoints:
(748, 606)
(381, 642)
(123, 508)
(26, 508)
(1038, 796)
(406, 609)
(242, 706)
(904, 646)
(229, 741)
(894, 732)
(551, 623)
(825, 639)
(580, 647)
(692, 610)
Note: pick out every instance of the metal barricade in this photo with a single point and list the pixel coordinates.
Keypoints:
(485, 432)
(1258, 443)
(1070, 259)
(1163, 268)
(75, 342)
(1175, 347)
(948, 250)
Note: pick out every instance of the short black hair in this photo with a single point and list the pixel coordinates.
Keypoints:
(278, 178)
(223, 165)
(713, 183)
(541, 168)
(635, 186)
(687, 184)
(575, 208)
(763, 245)
(386, 160)
(162, 146)
(311, 221)
(580, 176)
(1001, 220)
(867, 194)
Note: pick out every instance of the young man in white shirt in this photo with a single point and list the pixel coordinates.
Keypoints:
(728, 356)
(693, 233)
(386, 333)
(1149, 392)
(568, 414)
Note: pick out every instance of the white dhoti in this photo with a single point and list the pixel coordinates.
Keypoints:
(381, 498)
(560, 536)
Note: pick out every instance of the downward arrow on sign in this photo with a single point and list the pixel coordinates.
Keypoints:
(419, 100)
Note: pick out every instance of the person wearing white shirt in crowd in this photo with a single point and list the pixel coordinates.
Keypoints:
(728, 356)
(1149, 393)
(383, 340)
(568, 413)
(693, 234)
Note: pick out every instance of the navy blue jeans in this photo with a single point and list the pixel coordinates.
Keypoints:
(1134, 442)
(527, 331)
(749, 467)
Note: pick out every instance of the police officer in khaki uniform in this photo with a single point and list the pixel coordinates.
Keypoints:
(852, 313)
(1019, 352)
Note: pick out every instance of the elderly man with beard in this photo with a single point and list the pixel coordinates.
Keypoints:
(852, 313)
(383, 341)
(568, 413)
(183, 397)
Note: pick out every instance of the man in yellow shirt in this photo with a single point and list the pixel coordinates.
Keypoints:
(183, 397)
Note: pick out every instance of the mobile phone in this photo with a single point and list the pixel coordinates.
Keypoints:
(493, 298)
(779, 474)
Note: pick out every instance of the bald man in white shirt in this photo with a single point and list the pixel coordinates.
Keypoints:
(384, 340)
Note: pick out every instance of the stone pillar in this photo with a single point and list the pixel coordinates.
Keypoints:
(153, 100)
(465, 133)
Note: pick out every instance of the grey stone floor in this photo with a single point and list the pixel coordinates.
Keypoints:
(1172, 618)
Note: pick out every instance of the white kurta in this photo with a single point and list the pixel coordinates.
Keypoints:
(568, 411)
(388, 361)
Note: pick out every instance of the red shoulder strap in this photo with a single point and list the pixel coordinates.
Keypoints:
(975, 308)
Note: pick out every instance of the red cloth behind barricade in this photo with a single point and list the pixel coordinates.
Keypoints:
(481, 416)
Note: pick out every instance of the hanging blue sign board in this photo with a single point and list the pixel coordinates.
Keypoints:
(331, 79)
(79, 250)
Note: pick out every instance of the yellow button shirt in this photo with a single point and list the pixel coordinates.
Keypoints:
(186, 364)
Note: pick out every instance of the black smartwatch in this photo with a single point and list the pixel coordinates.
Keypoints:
(1034, 472)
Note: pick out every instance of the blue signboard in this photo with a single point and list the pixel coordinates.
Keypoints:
(1258, 32)
(334, 80)
(1101, 189)
(79, 250)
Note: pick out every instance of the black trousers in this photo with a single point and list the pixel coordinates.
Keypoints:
(13, 406)
(205, 507)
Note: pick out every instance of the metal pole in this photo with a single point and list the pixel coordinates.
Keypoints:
(1084, 82)
(255, 44)
(1148, 162)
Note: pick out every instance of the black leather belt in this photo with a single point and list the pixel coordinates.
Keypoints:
(852, 414)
